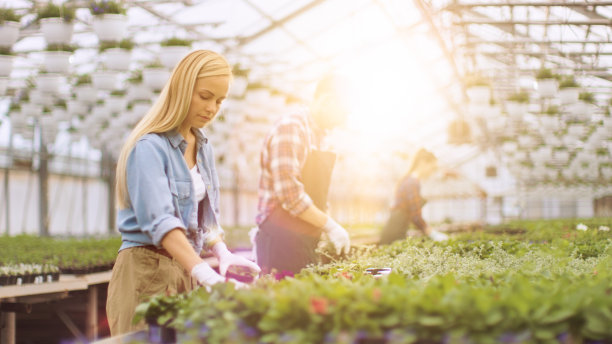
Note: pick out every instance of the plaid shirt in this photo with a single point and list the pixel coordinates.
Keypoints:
(282, 158)
(408, 199)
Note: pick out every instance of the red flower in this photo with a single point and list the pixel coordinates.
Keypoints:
(318, 305)
(376, 294)
(345, 274)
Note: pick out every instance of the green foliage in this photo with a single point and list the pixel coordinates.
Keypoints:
(472, 80)
(118, 93)
(171, 42)
(545, 73)
(126, 44)
(568, 81)
(8, 14)
(587, 97)
(552, 110)
(154, 64)
(238, 70)
(61, 47)
(106, 7)
(53, 11)
(83, 79)
(519, 97)
(523, 282)
(6, 51)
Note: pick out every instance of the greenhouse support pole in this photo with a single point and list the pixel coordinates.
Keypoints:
(92, 313)
(7, 192)
(108, 175)
(8, 325)
(43, 188)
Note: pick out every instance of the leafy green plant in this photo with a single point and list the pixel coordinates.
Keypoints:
(6, 51)
(118, 93)
(519, 97)
(102, 7)
(587, 97)
(176, 42)
(126, 44)
(567, 82)
(60, 47)
(83, 79)
(8, 14)
(53, 11)
(552, 110)
(545, 73)
(239, 70)
(135, 77)
(154, 64)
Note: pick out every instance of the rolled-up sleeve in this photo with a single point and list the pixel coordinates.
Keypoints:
(149, 191)
(287, 154)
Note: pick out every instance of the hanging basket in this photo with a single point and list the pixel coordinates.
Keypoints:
(569, 95)
(479, 94)
(86, 94)
(6, 65)
(169, 56)
(110, 27)
(116, 104)
(9, 33)
(57, 61)
(547, 88)
(56, 30)
(155, 78)
(104, 80)
(516, 110)
(50, 83)
(117, 59)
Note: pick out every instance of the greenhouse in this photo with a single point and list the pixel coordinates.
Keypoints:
(305, 171)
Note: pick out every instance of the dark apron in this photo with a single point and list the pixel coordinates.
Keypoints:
(286, 243)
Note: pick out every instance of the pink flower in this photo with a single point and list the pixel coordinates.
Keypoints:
(376, 294)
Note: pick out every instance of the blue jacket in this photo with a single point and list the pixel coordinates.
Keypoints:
(161, 192)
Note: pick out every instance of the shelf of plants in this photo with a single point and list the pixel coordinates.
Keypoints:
(28, 259)
(525, 282)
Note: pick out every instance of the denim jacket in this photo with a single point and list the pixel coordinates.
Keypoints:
(161, 192)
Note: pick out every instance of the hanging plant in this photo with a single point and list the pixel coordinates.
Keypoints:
(8, 14)
(118, 93)
(6, 51)
(519, 97)
(238, 70)
(83, 79)
(135, 77)
(552, 110)
(174, 42)
(587, 97)
(567, 82)
(53, 11)
(545, 73)
(61, 47)
(126, 44)
(98, 8)
(473, 80)
(154, 64)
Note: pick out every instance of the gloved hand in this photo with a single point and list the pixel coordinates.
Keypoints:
(205, 275)
(437, 236)
(337, 235)
(226, 259)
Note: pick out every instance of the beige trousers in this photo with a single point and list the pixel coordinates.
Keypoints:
(138, 274)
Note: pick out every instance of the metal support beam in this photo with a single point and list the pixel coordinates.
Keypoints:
(603, 22)
(43, 186)
(459, 6)
(247, 39)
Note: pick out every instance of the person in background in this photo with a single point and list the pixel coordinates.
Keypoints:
(294, 182)
(408, 202)
(168, 194)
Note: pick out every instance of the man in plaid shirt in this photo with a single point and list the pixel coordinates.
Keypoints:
(291, 220)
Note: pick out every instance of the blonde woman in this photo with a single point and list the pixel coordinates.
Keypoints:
(168, 194)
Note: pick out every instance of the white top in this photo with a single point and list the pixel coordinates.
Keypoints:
(199, 189)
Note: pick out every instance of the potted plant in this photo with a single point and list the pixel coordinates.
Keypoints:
(56, 23)
(240, 80)
(110, 21)
(568, 90)
(6, 61)
(546, 83)
(57, 57)
(117, 55)
(104, 79)
(49, 82)
(9, 27)
(477, 88)
(85, 92)
(117, 102)
(155, 75)
(517, 104)
(172, 50)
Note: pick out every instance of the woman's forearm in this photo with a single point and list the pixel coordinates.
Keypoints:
(176, 243)
(314, 216)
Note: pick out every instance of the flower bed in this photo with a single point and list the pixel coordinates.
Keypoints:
(526, 282)
(28, 273)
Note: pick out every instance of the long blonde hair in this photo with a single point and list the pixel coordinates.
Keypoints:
(170, 108)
